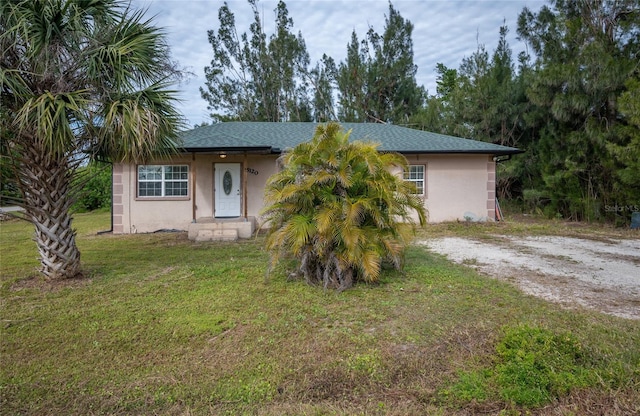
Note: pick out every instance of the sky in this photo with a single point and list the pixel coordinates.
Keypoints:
(444, 32)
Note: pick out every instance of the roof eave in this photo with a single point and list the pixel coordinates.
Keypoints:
(472, 152)
(218, 149)
(275, 150)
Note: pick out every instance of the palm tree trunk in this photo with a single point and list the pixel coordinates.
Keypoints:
(45, 183)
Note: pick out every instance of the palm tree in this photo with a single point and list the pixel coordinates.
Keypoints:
(339, 210)
(80, 80)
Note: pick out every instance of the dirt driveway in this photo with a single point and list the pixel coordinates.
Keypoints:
(602, 275)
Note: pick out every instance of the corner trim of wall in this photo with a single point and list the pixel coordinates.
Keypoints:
(491, 189)
(118, 193)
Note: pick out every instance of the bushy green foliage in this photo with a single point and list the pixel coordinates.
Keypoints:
(572, 106)
(537, 365)
(532, 367)
(470, 386)
(586, 52)
(533, 200)
(9, 191)
(96, 190)
(627, 153)
(337, 208)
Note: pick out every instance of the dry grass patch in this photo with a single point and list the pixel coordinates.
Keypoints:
(529, 224)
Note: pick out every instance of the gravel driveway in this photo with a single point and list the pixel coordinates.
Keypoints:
(601, 275)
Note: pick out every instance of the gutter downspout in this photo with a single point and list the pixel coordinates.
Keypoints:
(498, 209)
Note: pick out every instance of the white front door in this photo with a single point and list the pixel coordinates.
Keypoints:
(227, 190)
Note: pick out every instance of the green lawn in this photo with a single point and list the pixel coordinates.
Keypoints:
(166, 326)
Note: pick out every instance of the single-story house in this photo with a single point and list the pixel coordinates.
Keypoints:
(214, 187)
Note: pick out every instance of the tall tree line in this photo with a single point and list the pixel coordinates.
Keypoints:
(571, 102)
(572, 106)
(588, 56)
(253, 77)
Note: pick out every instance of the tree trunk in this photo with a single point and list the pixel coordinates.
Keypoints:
(45, 183)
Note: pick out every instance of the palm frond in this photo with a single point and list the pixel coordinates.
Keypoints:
(51, 120)
(351, 236)
(354, 211)
(299, 229)
(138, 126)
(129, 53)
(370, 265)
(326, 217)
(336, 205)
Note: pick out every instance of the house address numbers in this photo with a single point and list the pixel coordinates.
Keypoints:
(251, 171)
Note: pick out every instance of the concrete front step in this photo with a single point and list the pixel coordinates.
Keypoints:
(217, 235)
(208, 229)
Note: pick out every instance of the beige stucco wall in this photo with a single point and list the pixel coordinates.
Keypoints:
(457, 186)
(141, 215)
(264, 167)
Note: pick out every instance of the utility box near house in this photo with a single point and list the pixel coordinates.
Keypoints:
(635, 220)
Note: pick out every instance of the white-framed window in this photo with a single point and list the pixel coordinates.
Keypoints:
(161, 181)
(415, 175)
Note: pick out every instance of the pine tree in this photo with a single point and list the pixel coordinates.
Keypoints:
(253, 78)
(377, 82)
(322, 83)
(351, 80)
(585, 52)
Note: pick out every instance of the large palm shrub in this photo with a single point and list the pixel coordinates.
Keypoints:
(339, 209)
(80, 80)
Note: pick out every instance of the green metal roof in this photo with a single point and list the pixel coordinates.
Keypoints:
(276, 137)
